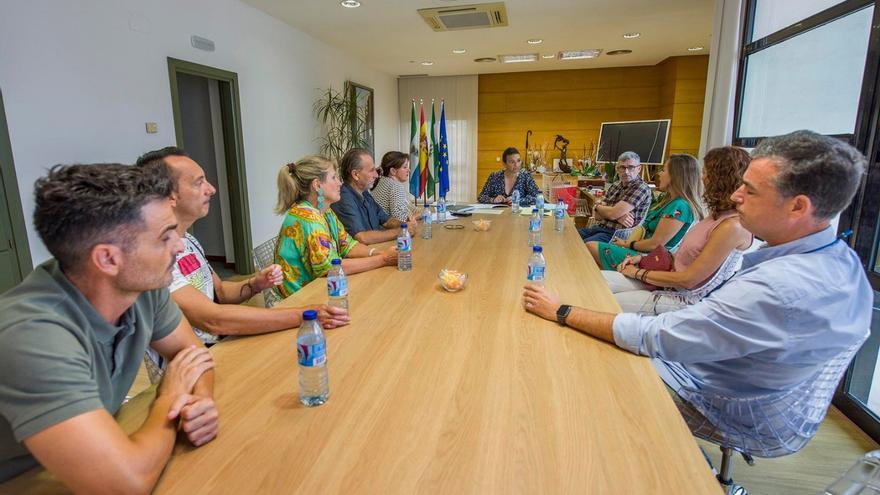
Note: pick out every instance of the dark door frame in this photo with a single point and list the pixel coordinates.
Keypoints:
(230, 117)
(10, 186)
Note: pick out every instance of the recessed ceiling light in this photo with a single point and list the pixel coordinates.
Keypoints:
(579, 54)
(427, 62)
(459, 51)
(630, 36)
(535, 41)
(549, 55)
(483, 60)
(618, 52)
(695, 48)
(515, 59)
(351, 4)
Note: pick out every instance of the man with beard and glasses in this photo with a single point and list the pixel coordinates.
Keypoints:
(73, 333)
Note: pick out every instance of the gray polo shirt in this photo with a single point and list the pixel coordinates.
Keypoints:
(359, 212)
(59, 358)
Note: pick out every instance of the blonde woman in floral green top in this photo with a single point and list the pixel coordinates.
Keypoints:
(311, 235)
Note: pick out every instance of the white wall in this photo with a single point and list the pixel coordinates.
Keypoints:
(80, 79)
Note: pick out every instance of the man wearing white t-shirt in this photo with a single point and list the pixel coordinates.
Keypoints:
(210, 304)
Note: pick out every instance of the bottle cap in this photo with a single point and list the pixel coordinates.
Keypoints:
(403, 225)
(310, 314)
(336, 261)
(537, 249)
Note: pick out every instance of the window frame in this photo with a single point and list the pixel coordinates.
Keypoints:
(748, 48)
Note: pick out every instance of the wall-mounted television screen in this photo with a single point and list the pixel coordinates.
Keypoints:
(645, 137)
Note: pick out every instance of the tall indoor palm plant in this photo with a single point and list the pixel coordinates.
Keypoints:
(341, 120)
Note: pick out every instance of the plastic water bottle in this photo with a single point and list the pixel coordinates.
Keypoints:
(559, 214)
(514, 201)
(441, 210)
(535, 228)
(537, 266)
(337, 285)
(404, 250)
(539, 203)
(311, 349)
(863, 478)
(426, 222)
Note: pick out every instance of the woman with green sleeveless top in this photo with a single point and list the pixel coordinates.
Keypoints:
(669, 218)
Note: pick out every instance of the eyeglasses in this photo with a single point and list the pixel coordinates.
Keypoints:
(453, 226)
(627, 167)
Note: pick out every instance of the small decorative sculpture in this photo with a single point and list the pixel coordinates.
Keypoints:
(563, 162)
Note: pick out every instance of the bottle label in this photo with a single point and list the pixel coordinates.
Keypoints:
(560, 212)
(312, 355)
(427, 219)
(536, 272)
(337, 286)
(534, 225)
(403, 244)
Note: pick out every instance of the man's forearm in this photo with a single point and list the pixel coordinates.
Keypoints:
(204, 387)
(237, 319)
(593, 323)
(152, 444)
(236, 292)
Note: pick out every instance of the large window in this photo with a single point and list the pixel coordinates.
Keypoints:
(802, 67)
(815, 64)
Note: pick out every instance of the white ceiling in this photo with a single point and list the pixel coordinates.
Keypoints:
(391, 36)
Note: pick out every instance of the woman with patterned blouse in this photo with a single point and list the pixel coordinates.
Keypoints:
(311, 235)
(390, 191)
(501, 184)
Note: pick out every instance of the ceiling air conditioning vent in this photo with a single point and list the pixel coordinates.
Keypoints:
(484, 15)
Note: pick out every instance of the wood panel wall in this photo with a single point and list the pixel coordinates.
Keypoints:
(575, 102)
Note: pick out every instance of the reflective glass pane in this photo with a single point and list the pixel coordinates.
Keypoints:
(773, 15)
(864, 383)
(811, 81)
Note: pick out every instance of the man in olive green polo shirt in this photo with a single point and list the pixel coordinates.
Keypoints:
(73, 333)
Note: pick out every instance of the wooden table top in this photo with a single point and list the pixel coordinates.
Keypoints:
(437, 392)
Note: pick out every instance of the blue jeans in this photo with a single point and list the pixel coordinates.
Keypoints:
(598, 233)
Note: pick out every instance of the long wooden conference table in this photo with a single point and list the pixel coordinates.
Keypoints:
(438, 392)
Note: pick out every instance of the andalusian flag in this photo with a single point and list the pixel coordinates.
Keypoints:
(423, 150)
(414, 153)
(432, 156)
(444, 153)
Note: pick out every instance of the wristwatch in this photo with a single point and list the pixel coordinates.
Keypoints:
(562, 313)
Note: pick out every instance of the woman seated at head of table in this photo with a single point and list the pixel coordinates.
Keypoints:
(703, 250)
(311, 235)
(500, 185)
(391, 190)
(668, 219)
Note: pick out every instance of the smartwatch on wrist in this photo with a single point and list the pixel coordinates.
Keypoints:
(562, 313)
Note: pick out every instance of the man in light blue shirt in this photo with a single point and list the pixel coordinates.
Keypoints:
(797, 303)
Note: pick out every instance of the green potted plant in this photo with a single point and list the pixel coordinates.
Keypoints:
(341, 121)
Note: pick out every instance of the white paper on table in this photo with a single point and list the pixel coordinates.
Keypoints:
(548, 210)
(484, 211)
(482, 206)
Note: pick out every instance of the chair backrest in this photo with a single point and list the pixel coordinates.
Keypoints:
(728, 268)
(264, 255)
(770, 425)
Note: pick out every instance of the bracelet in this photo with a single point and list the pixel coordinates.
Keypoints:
(638, 273)
(631, 244)
(372, 250)
(645, 275)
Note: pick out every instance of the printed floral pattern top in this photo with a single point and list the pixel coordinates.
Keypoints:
(307, 243)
